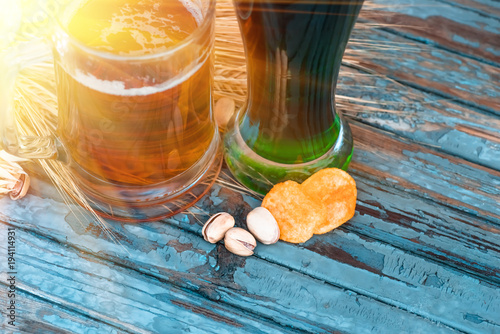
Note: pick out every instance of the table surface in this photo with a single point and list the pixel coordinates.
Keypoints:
(421, 255)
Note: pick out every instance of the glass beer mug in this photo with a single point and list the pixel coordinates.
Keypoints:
(135, 121)
(289, 127)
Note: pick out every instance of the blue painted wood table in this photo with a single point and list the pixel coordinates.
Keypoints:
(421, 255)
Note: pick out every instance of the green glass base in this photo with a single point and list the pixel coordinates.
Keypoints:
(260, 174)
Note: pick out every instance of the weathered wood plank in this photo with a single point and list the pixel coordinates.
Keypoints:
(124, 296)
(423, 118)
(441, 178)
(451, 27)
(126, 299)
(484, 7)
(437, 233)
(392, 275)
(35, 315)
(226, 270)
(407, 222)
(428, 68)
(433, 241)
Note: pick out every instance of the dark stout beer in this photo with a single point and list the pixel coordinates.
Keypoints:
(294, 51)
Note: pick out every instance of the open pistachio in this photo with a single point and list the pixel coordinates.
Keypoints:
(215, 228)
(263, 225)
(21, 187)
(240, 242)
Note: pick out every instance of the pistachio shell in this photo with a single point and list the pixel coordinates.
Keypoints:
(262, 224)
(21, 187)
(239, 241)
(215, 228)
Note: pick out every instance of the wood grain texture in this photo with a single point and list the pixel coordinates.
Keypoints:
(39, 316)
(449, 26)
(128, 300)
(422, 117)
(189, 262)
(256, 286)
(483, 7)
(428, 68)
(427, 173)
(439, 234)
(424, 235)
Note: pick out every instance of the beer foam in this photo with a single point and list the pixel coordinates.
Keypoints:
(194, 9)
(116, 87)
(134, 27)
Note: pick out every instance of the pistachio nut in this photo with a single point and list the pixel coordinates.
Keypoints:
(262, 224)
(216, 227)
(224, 110)
(21, 187)
(239, 241)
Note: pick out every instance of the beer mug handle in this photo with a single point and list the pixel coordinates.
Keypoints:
(12, 61)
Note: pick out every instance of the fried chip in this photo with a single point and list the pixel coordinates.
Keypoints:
(335, 190)
(296, 214)
(324, 201)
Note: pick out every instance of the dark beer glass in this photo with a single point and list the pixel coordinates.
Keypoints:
(289, 127)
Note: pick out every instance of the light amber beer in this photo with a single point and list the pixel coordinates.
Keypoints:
(137, 122)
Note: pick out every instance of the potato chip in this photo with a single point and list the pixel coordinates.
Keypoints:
(326, 200)
(335, 191)
(296, 214)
